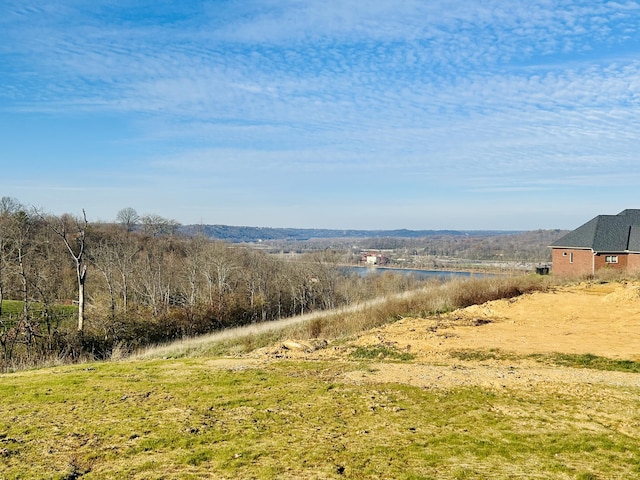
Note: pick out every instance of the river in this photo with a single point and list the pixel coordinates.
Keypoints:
(443, 274)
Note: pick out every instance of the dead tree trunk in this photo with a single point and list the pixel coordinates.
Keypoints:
(77, 252)
(81, 270)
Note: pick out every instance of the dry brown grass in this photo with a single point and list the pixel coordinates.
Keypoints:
(438, 297)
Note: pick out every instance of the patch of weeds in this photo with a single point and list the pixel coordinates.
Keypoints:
(75, 470)
(381, 352)
(462, 473)
(152, 444)
(586, 476)
(149, 466)
(480, 355)
(587, 360)
(477, 322)
(197, 457)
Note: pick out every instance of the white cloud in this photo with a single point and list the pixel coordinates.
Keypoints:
(487, 96)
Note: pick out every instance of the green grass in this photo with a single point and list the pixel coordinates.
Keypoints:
(11, 307)
(480, 355)
(588, 360)
(194, 419)
(585, 360)
(381, 352)
(14, 308)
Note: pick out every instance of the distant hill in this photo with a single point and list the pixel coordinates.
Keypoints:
(255, 234)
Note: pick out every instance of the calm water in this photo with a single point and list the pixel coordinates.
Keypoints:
(363, 271)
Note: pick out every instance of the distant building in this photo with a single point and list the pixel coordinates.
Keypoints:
(606, 241)
(371, 258)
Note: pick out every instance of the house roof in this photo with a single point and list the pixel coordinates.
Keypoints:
(606, 233)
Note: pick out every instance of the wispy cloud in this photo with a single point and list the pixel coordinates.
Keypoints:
(487, 96)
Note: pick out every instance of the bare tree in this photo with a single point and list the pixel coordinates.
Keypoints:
(104, 258)
(128, 218)
(3, 252)
(112, 253)
(19, 231)
(155, 225)
(73, 232)
(218, 268)
(9, 206)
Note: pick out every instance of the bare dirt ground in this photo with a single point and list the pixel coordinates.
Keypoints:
(599, 319)
(603, 320)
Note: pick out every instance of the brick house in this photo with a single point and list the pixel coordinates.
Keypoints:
(606, 241)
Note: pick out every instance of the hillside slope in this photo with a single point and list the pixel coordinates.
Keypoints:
(530, 331)
(489, 391)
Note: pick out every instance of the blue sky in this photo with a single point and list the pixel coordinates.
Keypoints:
(420, 114)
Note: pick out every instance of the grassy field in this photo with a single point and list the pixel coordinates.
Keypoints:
(12, 309)
(179, 414)
(199, 418)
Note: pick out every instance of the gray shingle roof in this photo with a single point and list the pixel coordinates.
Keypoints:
(606, 233)
(634, 239)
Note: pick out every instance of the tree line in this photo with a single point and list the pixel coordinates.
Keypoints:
(84, 288)
(530, 246)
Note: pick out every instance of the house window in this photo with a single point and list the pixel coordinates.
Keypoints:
(611, 259)
(571, 257)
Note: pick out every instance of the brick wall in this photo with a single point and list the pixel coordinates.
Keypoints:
(633, 262)
(566, 261)
(584, 261)
(600, 261)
